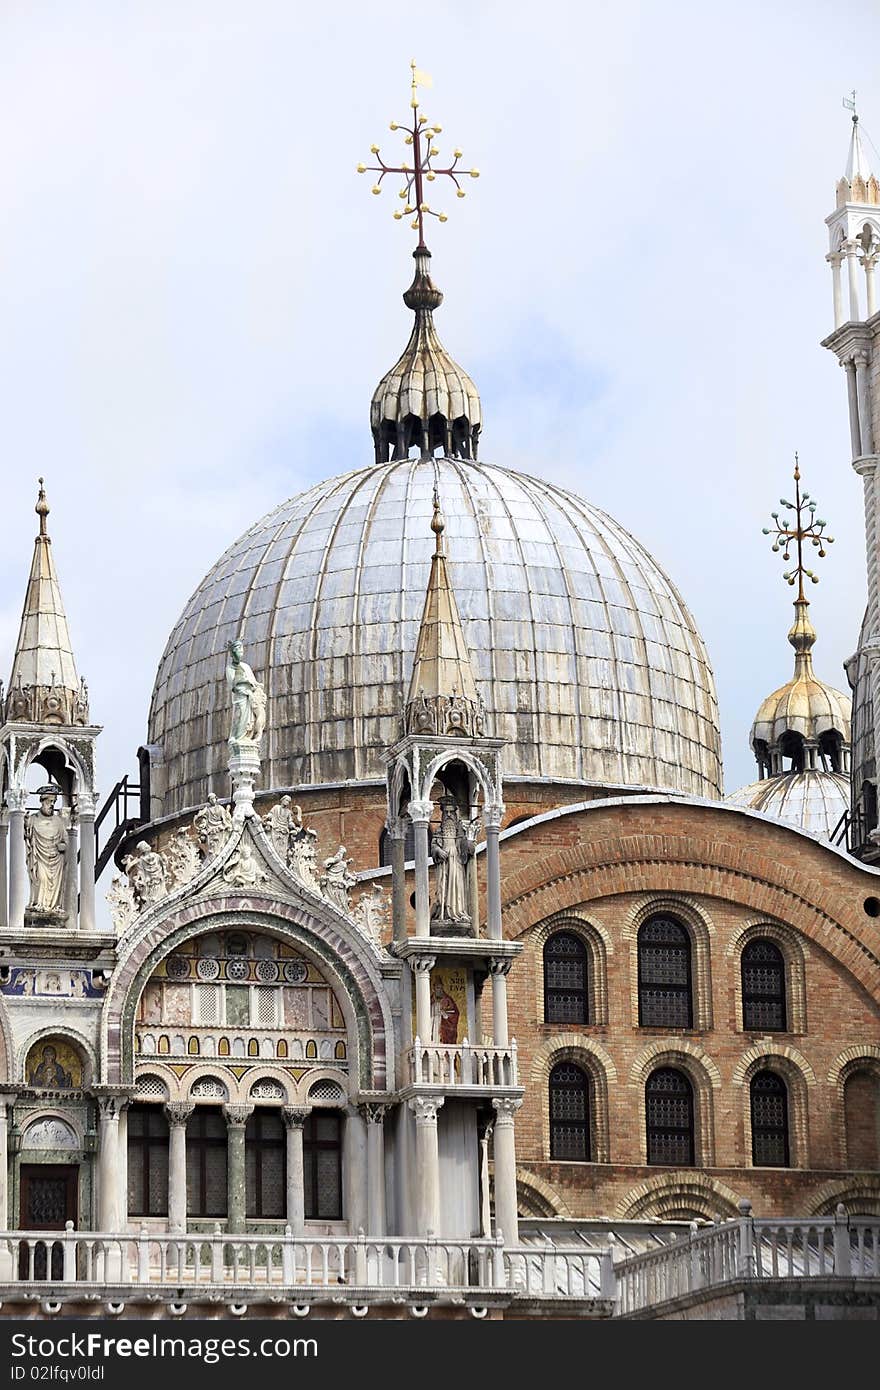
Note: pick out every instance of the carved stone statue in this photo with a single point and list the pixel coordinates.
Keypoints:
(248, 700)
(183, 857)
(212, 824)
(45, 838)
(244, 869)
(337, 880)
(371, 913)
(280, 825)
(451, 849)
(303, 861)
(147, 875)
(120, 897)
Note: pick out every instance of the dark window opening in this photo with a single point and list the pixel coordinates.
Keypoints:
(265, 1157)
(669, 1117)
(569, 1113)
(322, 1161)
(763, 987)
(566, 983)
(206, 1163)
(769, 1097)
(147, 1161)
(664, 949)
(791, 746)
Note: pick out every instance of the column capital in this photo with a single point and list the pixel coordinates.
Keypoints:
(237, 1116)
(178, 1112)
(493, 815)
(420, 811)
(500, 965)
(505, 1108)
(396, 828)
(85, 804)
(16, 798)
(110, 1107)
(372, 1112)
(425, 1108)
(422, 965)
(294, 1116)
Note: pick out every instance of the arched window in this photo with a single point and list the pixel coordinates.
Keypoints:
(861, 1102)
(664, 974)
(265, 1164)
(566, 994)
(147, 1161)
(322, 1162)
(569, 1113)
(206, 1162)
(763, 987)
(769, 1120)
(669, 1117)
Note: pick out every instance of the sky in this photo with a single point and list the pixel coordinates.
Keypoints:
(198, 293)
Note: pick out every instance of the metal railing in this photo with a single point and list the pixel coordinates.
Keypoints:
(464, 1064)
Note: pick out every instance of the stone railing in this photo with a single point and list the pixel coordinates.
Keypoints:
(433, 1064)
(751, 1249)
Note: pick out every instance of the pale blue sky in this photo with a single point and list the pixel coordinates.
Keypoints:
(198, 294)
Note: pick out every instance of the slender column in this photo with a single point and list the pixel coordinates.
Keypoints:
(294, 1120)
(5, 1253)
(869, 263)
(397, 836)
(853, 400)
(109, 1216)
(421, 967)
(236, 1117)
(177, 1115)
(494, 815)
(863, 395)
(374, 1118)
(86, 811)
(420, 814)
(355, 1172)
(834, 261)
(70, 878)
(4, 877)
(852, 267)
(499, 969)
(505, 1170)
(18, 880)
(427, 1175)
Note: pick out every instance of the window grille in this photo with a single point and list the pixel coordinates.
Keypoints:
(322, 1161)
(265, 1165)
(763, 987)
(147, 1160)
(207, 1004)
(669, 1117)
(569, 1113)
(266, 1006)
(769, 1098)
(566, 997)
(664, 949)
(326, 1090)
(154, 1086)
(206, 1163)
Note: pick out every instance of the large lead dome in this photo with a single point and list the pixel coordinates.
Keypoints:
(589, 662)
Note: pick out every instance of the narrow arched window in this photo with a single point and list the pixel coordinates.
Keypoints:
(265, 1164)
(664, 974)
(569, 1113)
(669, 1117)
(763, 987)
(566, 994)
(769, 1095)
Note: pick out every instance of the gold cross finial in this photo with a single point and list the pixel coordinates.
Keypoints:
(796, 528)
(421, 136)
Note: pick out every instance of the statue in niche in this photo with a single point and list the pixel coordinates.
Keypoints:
(337, 880)
(147, 875)
(243, 869)
(183, 857)
(212, 825)
(303, 860)
(45, 838)
(248, 700)
(371, 913)
(120, 897)
(451, 849)
(281, 824)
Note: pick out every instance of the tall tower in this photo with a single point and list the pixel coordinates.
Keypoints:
(854, 233)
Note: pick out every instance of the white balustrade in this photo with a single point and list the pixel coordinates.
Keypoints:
(441, 1064)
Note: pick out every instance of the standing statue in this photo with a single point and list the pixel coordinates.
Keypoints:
(451, 849)
(45, 838)
(183, 857)
(147, 875)
(212, 824)
(248, 700)
(280, 825)
(120, 898)
(337, 880)
(303, 861)
(371, 913)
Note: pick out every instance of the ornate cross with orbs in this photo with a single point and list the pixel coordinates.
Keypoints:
(800, 532)
(420, 135)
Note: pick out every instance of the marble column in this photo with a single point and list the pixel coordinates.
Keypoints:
(108, 1163)
(177, 1115)
(427, 1169)
(494, 815)
(849, 366)
(506, 1218)
(71, 886)
(374, 1117)
(863, 394)
(16, 800)
(421, 967)
(420, 814)
(236, 1117)
(852, 267)
(870, 263)
(834, 261)
(4, 876)
(294, 1120)
(86, 814)
(499, 969)
(397, 839)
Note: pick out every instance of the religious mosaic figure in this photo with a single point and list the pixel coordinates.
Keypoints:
(371, 913)
(183, 857)
(337, 880)
(45, 837)
(451, 849)
(212, 824)
(303, 860)
(444, 1015)
(49, 1072)
(147, 875)
(280, 824)
(248, 699)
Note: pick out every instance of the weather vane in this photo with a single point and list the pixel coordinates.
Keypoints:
(850, 104)
(800, 532)
(420, 135)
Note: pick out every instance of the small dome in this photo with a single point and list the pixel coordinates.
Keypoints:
(813, 801)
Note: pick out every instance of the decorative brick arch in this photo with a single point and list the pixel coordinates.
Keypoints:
(798, 1075)
(704, 1077)
(541, 1198)
(599, 947)
(683, 1191)
(860, 1196)
(345, 964)
(791, 945)
(698, 925)
(591, 1056)
(861, 1057)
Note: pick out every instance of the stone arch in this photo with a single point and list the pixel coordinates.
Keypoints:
(860, 1058)
(537, 1197)
(74, 1037)
(860, 1197)
(314, 1078)
(696, 921)
(705, 1079)
(598, 945)
(591, 1056)
(275, 1075)
(681, 1195)
(791, 945)
(473, 763)
(798, 1076)
(81, 776)
(346, 963)
(67, 1117)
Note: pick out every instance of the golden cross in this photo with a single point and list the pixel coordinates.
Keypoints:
(785, 532)
(420, 135)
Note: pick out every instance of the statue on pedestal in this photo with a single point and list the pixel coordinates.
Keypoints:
(212, 824)
(280, 824)
(451, 849)
(303, 855)
(45, 838)
(371, 913)
(248, 700)
(337, 880)
(244, 869)
(147, 875)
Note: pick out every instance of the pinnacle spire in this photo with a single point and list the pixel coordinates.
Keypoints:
(44, 687)
(442, 695)
(857, 164)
